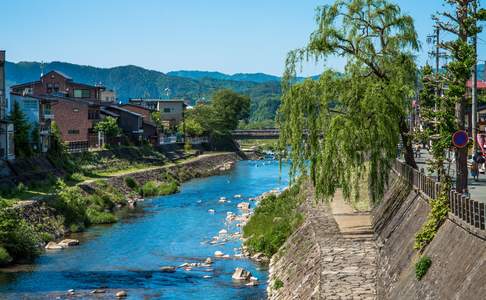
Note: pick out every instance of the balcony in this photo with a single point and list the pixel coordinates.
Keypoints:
(44, 131)
(48, 116)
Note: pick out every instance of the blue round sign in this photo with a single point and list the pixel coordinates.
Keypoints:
(460, 139)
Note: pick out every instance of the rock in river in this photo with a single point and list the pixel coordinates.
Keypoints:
(218, 253)
(68, 243)
(241, 274)
(121, 294)
(167, 269)
(53, 246)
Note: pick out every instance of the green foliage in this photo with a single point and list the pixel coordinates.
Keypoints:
(219, 117)
(46, 237)
(437, 215)
(17, 237)
(35, 137)
(422, 266)
(192, 126)
(5, 258)
(262, 124)
(154, 188)
(95, 216)
(273, 222)
(71, 203)
(131, 183)
(22, 132)
(278, 284)
(348, 125)
(108, 126)
(157, 119)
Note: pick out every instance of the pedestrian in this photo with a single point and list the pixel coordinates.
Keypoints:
(475, 170)
(417, 150)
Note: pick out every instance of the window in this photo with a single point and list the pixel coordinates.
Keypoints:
(30, 104)
(73, 131)
(75, 109)
(81, 93)
(167, 110)
(93, 114)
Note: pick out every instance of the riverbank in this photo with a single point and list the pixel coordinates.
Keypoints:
(174, 230)
(52, 218)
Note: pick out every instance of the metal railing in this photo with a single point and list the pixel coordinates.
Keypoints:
(463, 207)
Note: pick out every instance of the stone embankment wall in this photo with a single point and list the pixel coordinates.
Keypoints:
(44, 217)
(206, 165)
(318, 262)
(458, 254)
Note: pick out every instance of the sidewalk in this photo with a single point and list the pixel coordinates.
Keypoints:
(477, 189)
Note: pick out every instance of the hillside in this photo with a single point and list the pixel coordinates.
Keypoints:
(132, 81)
(251, 77)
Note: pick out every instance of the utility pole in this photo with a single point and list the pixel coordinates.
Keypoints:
(474, 94)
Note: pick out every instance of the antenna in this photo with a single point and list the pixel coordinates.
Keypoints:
(42, 68)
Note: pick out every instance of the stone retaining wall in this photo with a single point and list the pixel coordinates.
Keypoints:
(318, 262)
(458, 269)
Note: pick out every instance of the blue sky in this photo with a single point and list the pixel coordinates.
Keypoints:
(224, 35)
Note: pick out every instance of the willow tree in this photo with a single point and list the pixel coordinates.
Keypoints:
(349, 126)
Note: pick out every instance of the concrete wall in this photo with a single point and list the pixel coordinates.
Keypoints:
(458, 269)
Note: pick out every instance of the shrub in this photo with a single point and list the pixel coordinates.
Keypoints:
(5, 258)
(149, 189)
(99, 217)
(437, 216)
(71, 203)
(278, 284)
(131, 183)
(17, 237)
(168, 188)
(46, 237)
(152, 188)
(422, 266)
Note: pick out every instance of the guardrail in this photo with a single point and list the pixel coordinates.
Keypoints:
(463, 207)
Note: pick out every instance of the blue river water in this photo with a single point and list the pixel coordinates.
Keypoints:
(163, 231)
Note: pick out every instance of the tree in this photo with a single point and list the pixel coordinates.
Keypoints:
(23, 147)
(229, 108)
(57, 149)
(462, 23)
(157, 119)
(109, 127)
(193, 127)
(348, 126)
(35, 137)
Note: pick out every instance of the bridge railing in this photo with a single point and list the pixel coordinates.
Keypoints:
(461, 206)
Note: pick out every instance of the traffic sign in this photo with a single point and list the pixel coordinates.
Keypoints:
(460, 139)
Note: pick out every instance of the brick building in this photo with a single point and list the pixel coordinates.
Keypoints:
(75, 107)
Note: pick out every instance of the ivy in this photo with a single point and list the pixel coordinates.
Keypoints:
(437, 215)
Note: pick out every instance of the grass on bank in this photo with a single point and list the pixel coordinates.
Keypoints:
(273, 221)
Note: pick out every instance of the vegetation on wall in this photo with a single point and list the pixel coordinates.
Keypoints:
(422, 266)
(274, 220)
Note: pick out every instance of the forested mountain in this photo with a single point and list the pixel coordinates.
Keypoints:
(132, 81)
(252, 77)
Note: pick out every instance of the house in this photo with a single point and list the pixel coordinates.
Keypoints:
(171, 111)
(6, 127)
(38, 113)
(130, 122)
(108, 96)
(151, 131)
(75, 107)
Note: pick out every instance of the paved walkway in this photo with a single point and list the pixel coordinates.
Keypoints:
(477, 189)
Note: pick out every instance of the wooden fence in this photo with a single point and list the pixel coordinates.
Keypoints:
(463, 207)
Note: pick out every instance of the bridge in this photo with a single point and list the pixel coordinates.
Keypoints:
(256, 134)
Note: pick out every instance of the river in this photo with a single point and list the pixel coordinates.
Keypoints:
(163, 231)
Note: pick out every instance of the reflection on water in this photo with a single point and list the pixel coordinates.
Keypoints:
(164, 231)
